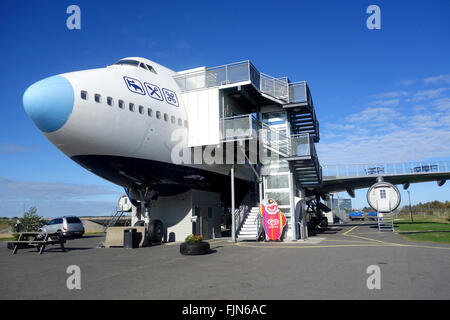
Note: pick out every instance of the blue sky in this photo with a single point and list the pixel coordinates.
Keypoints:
(380, 95)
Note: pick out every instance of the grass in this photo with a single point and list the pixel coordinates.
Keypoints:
(4, 224)
(8, 239)
(430, 229)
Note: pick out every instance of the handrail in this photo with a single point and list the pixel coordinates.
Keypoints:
(279, 88)
(258, 225)
(242, 211)
(273, 139)
(376, 169)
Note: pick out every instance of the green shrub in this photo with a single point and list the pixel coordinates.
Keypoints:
(30, 221)
(190, 239)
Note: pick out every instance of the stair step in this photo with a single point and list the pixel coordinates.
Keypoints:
(248, 238)
(245, 234)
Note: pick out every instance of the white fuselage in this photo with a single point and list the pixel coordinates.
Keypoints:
(100, 129)
(123, 111)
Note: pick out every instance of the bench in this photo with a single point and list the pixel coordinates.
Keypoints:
(39, 240)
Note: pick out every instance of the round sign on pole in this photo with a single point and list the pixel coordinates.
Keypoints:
(125, 203)
(383, 197)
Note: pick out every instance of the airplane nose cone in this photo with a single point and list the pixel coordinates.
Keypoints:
(49, 103)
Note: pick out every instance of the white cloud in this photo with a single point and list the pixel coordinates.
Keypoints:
(445, 78)
(382, 134)
(390, 95)
(406, 83)
(441, 104)
(424, 95)
(13, 148)
(41, 190)
(373, 115)
(385, 103)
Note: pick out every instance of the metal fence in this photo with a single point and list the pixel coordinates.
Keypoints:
(274, 87)
(248, 127)
(360, 170)
(279, 88)
(239, 127)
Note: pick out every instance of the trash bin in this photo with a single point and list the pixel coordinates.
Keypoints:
(129, 238)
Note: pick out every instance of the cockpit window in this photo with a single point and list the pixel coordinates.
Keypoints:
(136, 64)
(151, 69)
(129, 62)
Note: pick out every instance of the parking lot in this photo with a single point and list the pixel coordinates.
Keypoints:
(330, 265)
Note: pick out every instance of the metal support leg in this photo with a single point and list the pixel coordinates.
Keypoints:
(43, 246)
(16, 245)
(233, 222)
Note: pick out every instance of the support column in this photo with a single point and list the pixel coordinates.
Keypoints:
(261, 191)
(292, 202)
(303, 225)
(233, 222)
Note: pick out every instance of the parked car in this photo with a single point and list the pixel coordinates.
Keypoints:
(70, 226)
(372, 215)
(425, 168)
(375, 170)
(356, 215)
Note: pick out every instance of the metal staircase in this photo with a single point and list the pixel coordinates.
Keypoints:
(300, 111)
(304, 161)
(114, 219)
(250, 228)
(385, 221)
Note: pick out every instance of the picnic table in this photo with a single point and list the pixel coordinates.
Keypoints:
(39, 240)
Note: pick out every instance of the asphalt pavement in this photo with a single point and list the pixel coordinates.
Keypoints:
(335, 264)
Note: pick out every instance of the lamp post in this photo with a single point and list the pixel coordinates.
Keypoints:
(410, 209)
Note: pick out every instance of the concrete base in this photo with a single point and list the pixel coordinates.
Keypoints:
(114, 236)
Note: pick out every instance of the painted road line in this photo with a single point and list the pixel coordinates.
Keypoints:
(348, 231)
(392, 244)
(240, 244)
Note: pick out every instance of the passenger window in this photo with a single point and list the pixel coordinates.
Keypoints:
(150, 112)
(141, 109)
(121, 104)
(98, 98)
(84, 95)
(158, 115)
(173, 119)
(110, 101)
(185, 124)
(131, 106)
(166, 117)
(180, 122)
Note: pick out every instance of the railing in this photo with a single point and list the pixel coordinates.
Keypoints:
(275, 140)
(218, 76)
(361, 170)
(239, 216)
(298, 92)
(301, 145)
(238, 127)
(274, 87)
(279, 88)
(242, 212)
(259, 226)
(248, 127)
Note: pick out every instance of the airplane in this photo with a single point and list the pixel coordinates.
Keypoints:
(117, 122)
